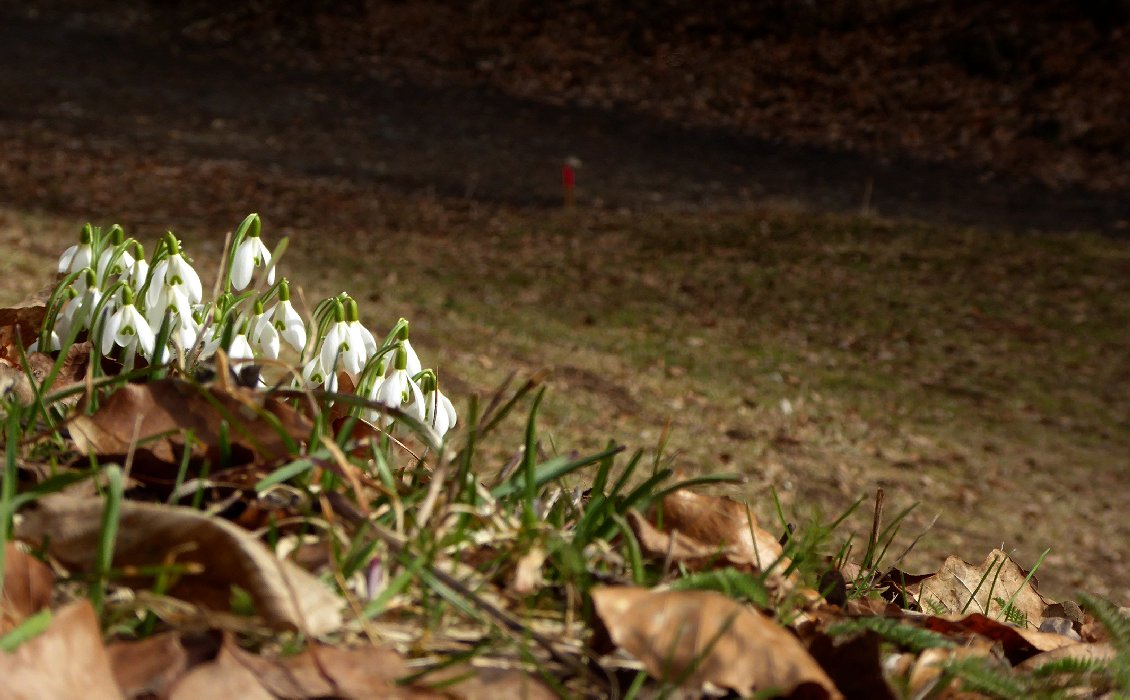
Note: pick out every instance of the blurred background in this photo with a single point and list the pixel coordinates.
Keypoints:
(832, 246)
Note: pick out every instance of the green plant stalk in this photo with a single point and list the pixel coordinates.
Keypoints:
(111, 515)
(529, 465)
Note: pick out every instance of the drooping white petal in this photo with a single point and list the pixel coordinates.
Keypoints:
(289, 324)
(414, 367)
(75, 258)
(136, 325)
(337, 336)
(180, 272)
(264, 336)
(313, 374)
(110, 332)
(250, 254)
(240, 351)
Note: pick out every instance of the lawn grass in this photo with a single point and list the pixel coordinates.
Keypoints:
(982, 374)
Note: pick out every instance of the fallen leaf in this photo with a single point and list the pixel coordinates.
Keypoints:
(148, 667)
(224, 677)
(854, 663)
(20, 325)
(149, 534)
(1017, 643)
(27, 587)
(696, 637)
(960, 587)
(1083, 651)
(325, 671)
(470, 683)
(158, 413)
(720, 521)
(66, 661)
(928, 669)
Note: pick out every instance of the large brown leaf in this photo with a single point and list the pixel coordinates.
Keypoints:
(697, 637)
(960, 587)
(66, 661)
(721, 521)
(149, 534)
(27, 587)
(324, 671)
(158, 413)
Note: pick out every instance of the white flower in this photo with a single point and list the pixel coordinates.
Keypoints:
(240, 352)
(250, 254)
(313, 375)
(173, 273)
(53, 343)
(138, 271)
(76, 257)
(343, 341)
(414, 367)
(439, 412)
(129, 329)
(398, 390)
(289, 324)
(264, 336)
(122, 266)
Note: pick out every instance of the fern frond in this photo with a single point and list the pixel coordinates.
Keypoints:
(981, 676)
(904, 635)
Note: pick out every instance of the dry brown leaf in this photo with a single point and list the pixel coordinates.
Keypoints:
(326, 671)
(675, 546)
(469, 683)
(720, 521)
(961, 587)
(148, 533)
(165, 409)
(20, 325)
(1018, 643)
(66, 661)
(929, 666)
(149, 666)
(27, 587)
(224, 677)
(1084, 651)
(704, 637)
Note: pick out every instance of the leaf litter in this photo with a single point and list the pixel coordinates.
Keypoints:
(485, 596)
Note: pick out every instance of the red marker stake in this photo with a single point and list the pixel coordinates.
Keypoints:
(568, 183)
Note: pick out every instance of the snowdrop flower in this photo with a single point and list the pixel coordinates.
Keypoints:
(345, 340)
(128, 328)
(79, 255)
(239, 351)
(399, 390)
(173, 276)
(250, 254)
(262, 333)
(288, 324)
(439, 412)
(313, 375)
(116, 259)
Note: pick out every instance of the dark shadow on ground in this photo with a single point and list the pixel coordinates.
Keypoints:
(170, 103)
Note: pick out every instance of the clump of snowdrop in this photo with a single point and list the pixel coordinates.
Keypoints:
(155, 310)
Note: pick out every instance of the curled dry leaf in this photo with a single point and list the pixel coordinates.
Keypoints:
(716, 520)
(66, 661)
(158, 413)
(153, 534)
(960, 587)
(20, 325)
(1083, 651)
(701, 637)
(1017, 643)
(27, 587)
